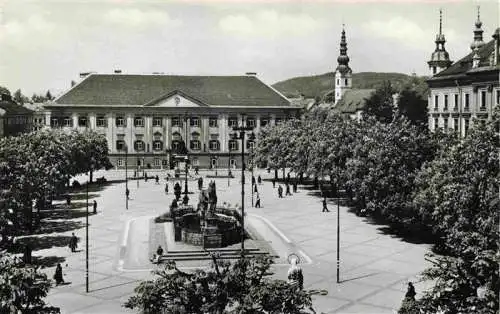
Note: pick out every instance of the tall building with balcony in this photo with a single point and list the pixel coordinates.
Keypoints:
(152, 116)
(467, 91)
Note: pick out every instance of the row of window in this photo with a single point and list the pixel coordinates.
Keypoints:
(483, 100)
(447, 125)
(17, 120)
(157, 162)
(121, 121)
(194, 145)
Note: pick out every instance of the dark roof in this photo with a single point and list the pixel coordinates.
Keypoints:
(137, 90)
(353, 100)
(465, 64)
(12, 108)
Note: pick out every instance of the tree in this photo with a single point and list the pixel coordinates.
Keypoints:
(380, 104)
(4, 90)
(413, 107)
(20, 98)
(48, 95)
(23, 288)
(240, 287)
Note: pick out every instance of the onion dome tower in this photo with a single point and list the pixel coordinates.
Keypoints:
(343, 73)
(440, 59)
(478, 34)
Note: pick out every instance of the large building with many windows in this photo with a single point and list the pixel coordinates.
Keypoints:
(466, 91)
(147, 118)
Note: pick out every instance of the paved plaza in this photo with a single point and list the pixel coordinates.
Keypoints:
(374, 271)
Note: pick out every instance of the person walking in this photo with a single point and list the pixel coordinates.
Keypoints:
(127, 193)
(166, 187)
(410, 293)
(325, 209)
(257, 202)
(159, 251)
(274, 183)
(73, 242)
(295, 186)
(253, 180)
(157, 179)
(255, 189)
(95, 207)
(58, 276)
(280, 191)
(145, 177)
(259, 180)
(288, 190)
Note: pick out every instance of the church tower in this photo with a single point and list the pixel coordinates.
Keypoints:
(343, 73)
(440, 58)
(478, 34)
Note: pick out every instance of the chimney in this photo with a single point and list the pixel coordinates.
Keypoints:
(118, 71)
(251, 74)
(84, 74)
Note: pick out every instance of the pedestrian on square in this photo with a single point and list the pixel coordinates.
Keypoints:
(95, 207)
(73, 242)
(410, 293)
(280, 191)
(295, 186)
(257, 202)
(127, 193)
(288, 177)
(159, 251)
(255, 189)
(166, 188)
(145, 177)
(157, 179)
(288, 190)
(253, 180)
(325, 209)
(274, 183)
(259, 180)
(196, 169)
(58, 276)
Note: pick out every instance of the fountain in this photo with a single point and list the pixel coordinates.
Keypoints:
(206, 225)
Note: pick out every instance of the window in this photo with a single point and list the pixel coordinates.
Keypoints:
(445, 123)
(456, 102)
(232, 122)
(67, 121)
(483, 99)
(195, 121)
(157, 136)
(455, 124)
(466, 105)
(120, 145)
(157, 121)
(264, 122)
(176, 122)
(251, 122)
(498, 96)
(434, 70)
(176, 146)
(445, 102)
(157, 145)
(195, 145)
(338, 81)
(195, 161)
(214, 145)
(277, 121)
(101, 121)
(139, 145)
(466, 126)
(233, 145)
(82, 121)
(212, 122)
(157, 162)
(119, 162)
(54, 122)
(346, 81)
(436, 123)
(120, 122)
(139, 122)
(436, 102)
(250, 144)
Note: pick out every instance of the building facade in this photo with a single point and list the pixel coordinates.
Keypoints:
(14, 118)
(466, 92)
(147, 118)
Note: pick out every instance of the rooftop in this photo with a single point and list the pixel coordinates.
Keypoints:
(138, 90)
(353, 100)
(12, 108)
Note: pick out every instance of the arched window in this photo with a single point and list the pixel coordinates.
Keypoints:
(139, 146)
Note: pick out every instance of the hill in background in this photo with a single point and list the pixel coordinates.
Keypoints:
(319, 85)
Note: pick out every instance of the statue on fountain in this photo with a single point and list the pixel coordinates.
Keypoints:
(212, 196)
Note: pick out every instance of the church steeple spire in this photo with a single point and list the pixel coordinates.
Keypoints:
(478, 33)
(343, 72)
(440, 58)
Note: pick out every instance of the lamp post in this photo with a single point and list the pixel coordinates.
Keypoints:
(241, 137)
(186, 198)
(251, 169)
(87, 239)
(338, 228)
(229, 166)
(126, 176)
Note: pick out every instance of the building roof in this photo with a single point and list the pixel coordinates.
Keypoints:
(464, 65)
(353, 100)
(12, 109)
(138, 90)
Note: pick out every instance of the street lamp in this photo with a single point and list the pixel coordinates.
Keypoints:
(251, 168)
(87, 239)
(126, 176)
(186, 198)
(234, 136)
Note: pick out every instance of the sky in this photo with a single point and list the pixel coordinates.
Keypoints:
(44, 44)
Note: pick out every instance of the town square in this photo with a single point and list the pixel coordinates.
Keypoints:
(190, 158)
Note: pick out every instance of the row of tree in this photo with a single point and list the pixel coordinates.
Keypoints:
(394, 170)
(21, 99)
